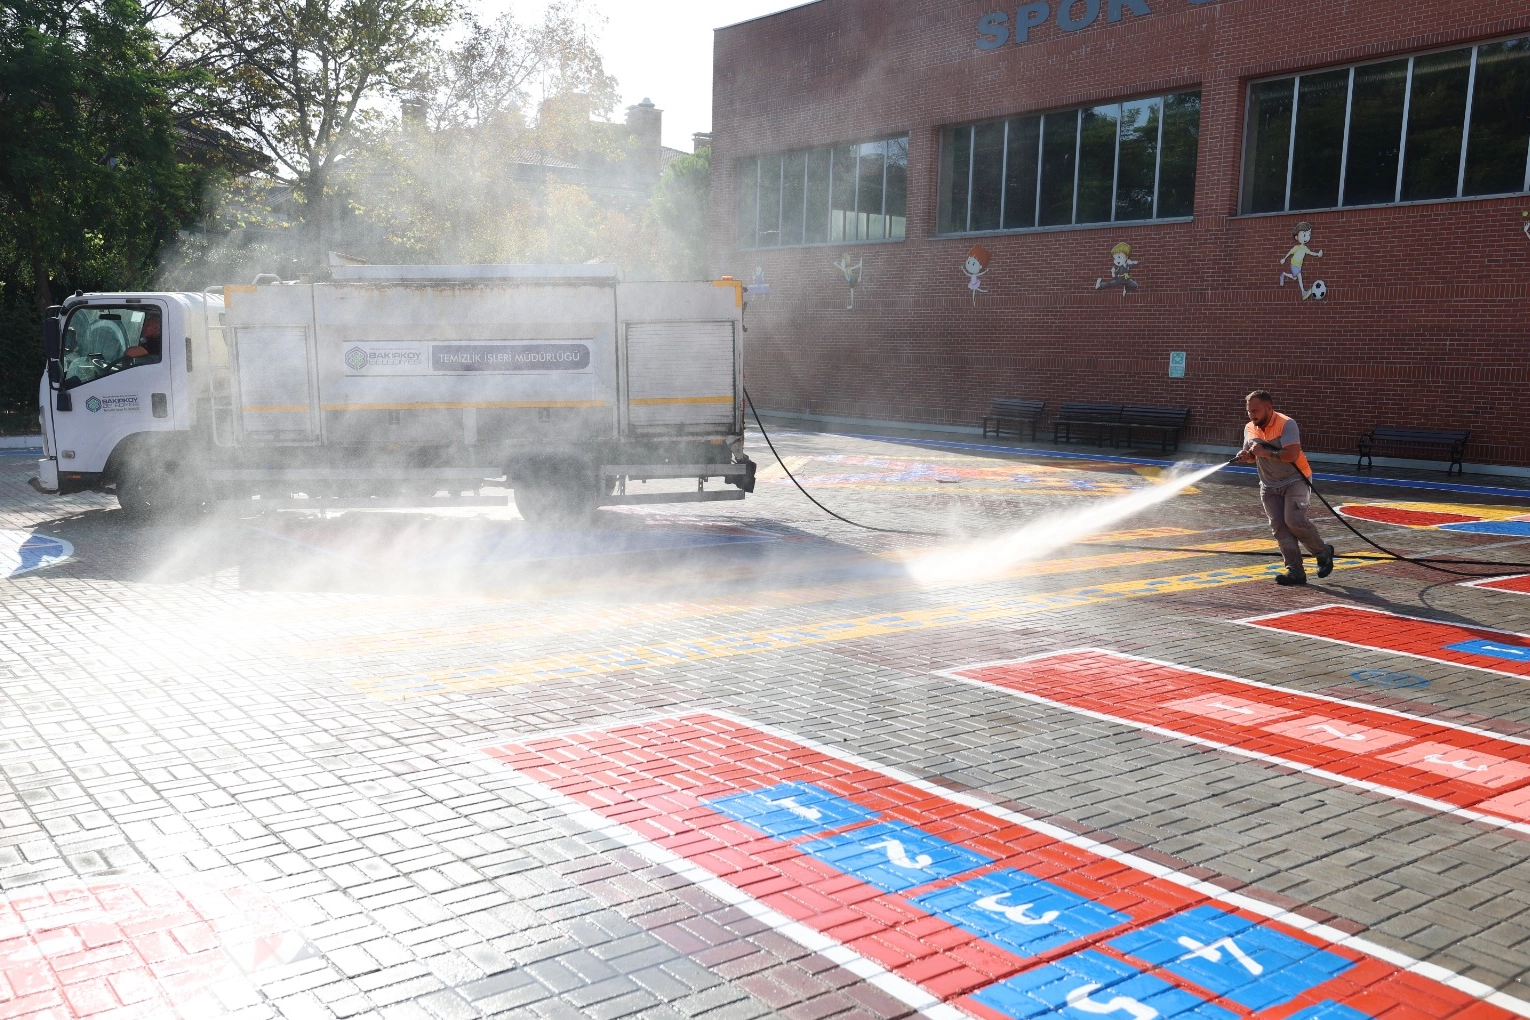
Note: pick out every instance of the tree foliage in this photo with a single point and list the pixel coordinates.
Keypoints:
(681, 210)
(91, 183)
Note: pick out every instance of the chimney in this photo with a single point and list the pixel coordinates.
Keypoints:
(701, 140)
(646, 124)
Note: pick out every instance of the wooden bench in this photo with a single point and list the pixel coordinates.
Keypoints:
(1102, 421)
(1014, 413)
(1165, 421)
(1449, 442)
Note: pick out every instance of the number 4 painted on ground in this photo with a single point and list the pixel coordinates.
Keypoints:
(1213, 952)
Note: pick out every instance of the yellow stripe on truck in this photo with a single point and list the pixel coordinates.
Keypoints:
(482, 404)
(648, 401)
(278, 409)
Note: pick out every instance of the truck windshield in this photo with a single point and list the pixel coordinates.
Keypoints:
(99, 341)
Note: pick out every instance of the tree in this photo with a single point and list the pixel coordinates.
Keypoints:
(90, 182)
(303, 79)
(682, 209)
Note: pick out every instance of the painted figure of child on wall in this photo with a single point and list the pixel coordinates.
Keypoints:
(1298, 255)
(1121, 263)
(852, 274)
(976, 267)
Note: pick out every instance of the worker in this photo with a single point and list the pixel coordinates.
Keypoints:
(1272, 442)
(150, 342)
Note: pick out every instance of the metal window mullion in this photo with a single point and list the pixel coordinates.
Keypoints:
(1296, 105)
(1163, 114)
(1402, 140)
(756, 243)
(1349, 105)
(856, 213)
(886, 226)
(780, 198)
(1115, 170)
(1003, 173)
(807, 161)
(1041, 141)
(1466, 122)
(971, 166)
(1078, 149)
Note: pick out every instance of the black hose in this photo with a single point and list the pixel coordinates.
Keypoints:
(1428, 562)
(857, 524)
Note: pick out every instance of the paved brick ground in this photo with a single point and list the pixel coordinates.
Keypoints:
(243, 765)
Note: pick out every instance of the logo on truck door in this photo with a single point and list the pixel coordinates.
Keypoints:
(126, 402)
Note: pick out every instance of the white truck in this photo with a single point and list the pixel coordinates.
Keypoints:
(398, 384)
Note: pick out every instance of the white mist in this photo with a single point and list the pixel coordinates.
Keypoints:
(992, 557)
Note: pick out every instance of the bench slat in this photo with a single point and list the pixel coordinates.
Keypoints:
(1450, 441)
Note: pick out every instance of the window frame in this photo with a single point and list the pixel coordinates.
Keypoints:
(1411, 57)
(780, 156)
(1044, 116)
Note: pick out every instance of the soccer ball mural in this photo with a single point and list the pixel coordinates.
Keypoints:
(1319, 290)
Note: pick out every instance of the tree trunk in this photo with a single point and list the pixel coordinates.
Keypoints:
(42, 292)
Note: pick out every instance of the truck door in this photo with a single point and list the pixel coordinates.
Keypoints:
(681, 377)
(116, 374)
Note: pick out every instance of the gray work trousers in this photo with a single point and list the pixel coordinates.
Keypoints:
(1286, 508)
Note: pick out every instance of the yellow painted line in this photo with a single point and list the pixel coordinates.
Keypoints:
(652, 401)
(457, 406)
(1135, 534)
(576, 665)
(276, 409)
(975, 487)
(631, 616)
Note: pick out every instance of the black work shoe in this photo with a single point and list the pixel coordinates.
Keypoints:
(1325, 561)
(1290, 580)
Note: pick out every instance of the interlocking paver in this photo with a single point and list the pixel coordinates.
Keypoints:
(300, 722)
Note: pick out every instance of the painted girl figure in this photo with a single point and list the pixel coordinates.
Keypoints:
(852, 274)
(976, 267)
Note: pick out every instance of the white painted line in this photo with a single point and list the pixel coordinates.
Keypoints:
(1483, 582)
(732, 895)
(1253, 621)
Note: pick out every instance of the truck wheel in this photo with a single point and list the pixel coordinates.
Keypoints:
(554, 503)
(145, 494)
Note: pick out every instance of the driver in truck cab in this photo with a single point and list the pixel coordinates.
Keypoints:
(97, 344)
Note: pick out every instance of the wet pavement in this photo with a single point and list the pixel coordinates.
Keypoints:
(734, 760)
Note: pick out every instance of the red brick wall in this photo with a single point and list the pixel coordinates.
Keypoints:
(1428, 315)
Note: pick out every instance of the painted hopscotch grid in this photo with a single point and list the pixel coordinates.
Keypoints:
(956, 907)
(1455, 769)
(1493, 651)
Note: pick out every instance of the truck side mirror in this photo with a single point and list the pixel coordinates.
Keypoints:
(50, 338)
(65, 401)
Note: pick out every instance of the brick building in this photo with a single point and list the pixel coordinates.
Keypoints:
(1042, 139)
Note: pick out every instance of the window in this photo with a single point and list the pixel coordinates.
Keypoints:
(1112, 163)
(852, 192)
(1451, 124)
(101, 341)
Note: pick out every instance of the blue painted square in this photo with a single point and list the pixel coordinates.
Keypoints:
(1019, 912)
(1090, 985)
(1493, 650)
(1252, 965)
(1329, 1010)
(893, 856)
(790, 809)
(1489, 527)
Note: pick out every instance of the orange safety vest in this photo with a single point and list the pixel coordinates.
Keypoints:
(1271, 434)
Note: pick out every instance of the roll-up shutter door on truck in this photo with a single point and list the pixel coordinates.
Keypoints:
(276, 393)
(680, 373)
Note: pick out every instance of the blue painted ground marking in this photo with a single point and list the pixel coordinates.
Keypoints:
(1387, 678)
(1329, 1010)
(1089, 985)
(790, 809)
(1019, 912)
(894, 856)
(1492, 649)
(1519, 528)
(1252, 965)
(22, 552)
